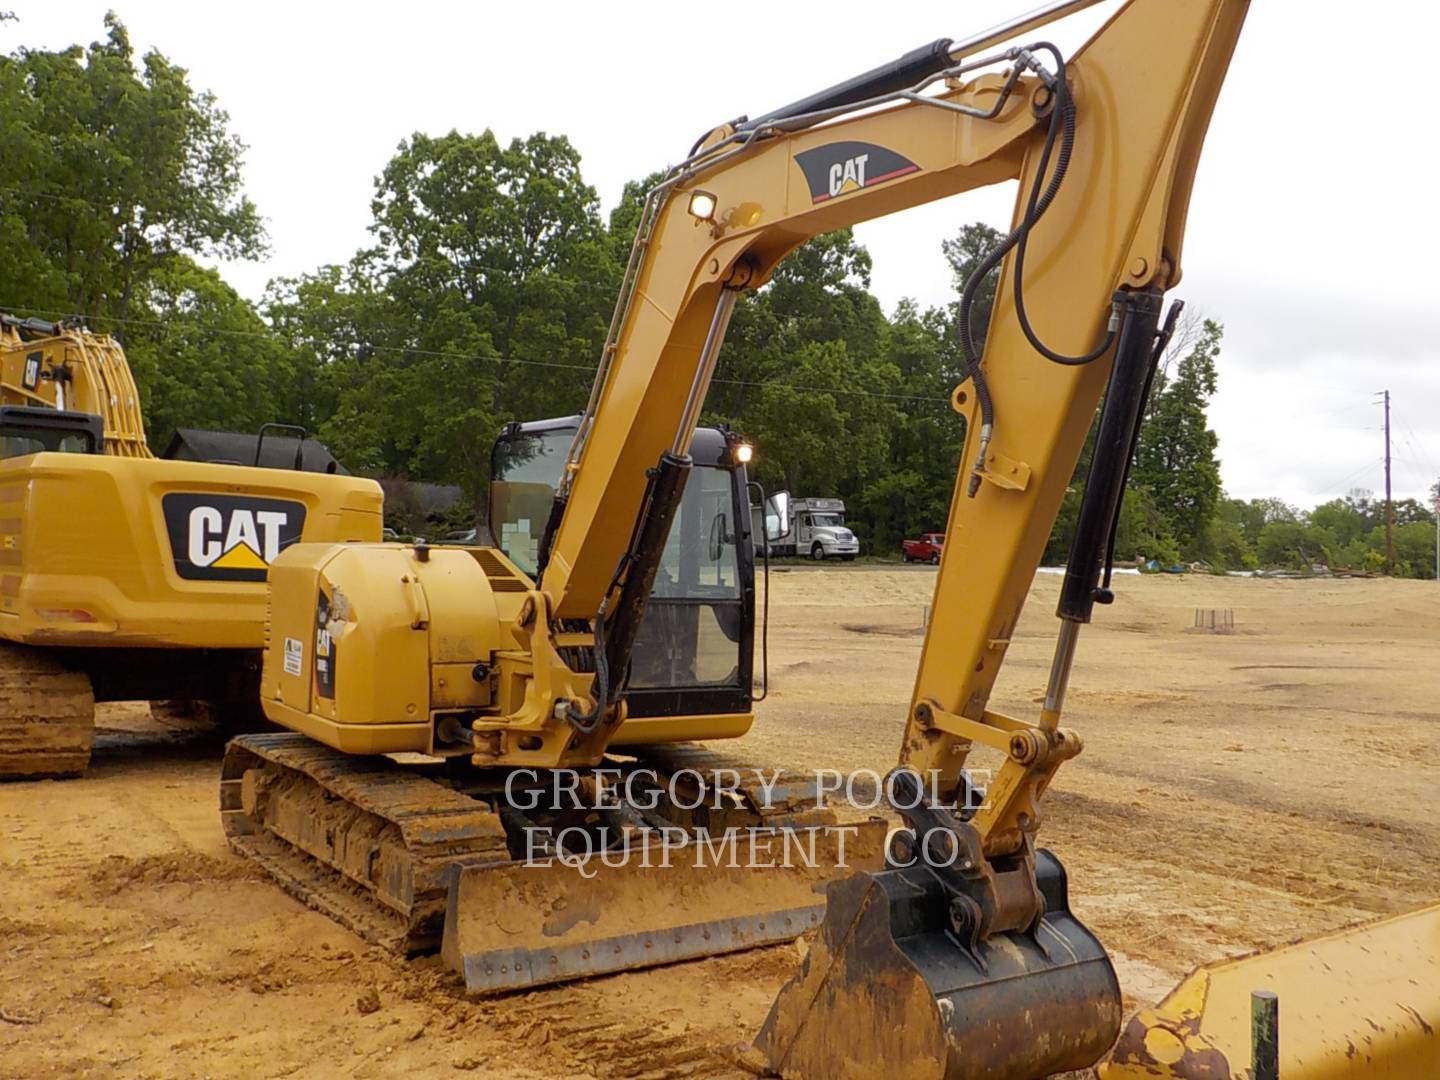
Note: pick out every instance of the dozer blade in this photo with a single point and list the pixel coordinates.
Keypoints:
(1363, 1002)
(888, 991)
(520, 924)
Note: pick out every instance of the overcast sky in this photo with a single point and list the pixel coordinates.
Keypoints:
(1312, 232)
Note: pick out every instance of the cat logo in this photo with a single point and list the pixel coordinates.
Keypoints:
(324, 648)
(229, 537)
(839, 168)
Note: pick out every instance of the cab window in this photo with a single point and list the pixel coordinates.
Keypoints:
(526, 471)
(20, 442)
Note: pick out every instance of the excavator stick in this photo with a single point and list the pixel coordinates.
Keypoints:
(1360, 1003)
(890, 972)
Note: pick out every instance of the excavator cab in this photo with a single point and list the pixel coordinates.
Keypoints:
(693, 652)
(29, 429)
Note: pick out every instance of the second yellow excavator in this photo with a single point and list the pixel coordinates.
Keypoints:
(483, 745)
(124, 576)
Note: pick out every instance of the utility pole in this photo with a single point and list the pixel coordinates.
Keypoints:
(1389, 506)
(1435, 505)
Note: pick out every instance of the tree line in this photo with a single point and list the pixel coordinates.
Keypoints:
(483, 295)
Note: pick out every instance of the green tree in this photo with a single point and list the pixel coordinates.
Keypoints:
(1286, 543)
(804, 372)
(485, 298)
(1176, 459)
(336, 326)
(1416, 549)
(1228, 547)
(1348, 519)
(965, 252)
(913, 488)
(203, 357)
(110, 174)
(625, 218)
(1143, 532)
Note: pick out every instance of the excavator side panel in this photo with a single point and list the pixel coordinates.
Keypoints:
(109, 563)
(164, 554)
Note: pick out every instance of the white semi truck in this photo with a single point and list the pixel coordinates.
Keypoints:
(817, 529)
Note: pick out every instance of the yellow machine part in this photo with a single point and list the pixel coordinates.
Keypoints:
(94, 377)
(95, 549)
(663, 906)
(1355, 1005)
(394, 638)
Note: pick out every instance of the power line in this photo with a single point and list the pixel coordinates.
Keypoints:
(1339, 485)
(1418, 472)
(1419, 447)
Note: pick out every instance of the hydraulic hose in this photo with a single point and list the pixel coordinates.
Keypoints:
(1061, 131)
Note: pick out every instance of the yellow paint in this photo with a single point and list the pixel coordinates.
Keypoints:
(240, 557)
(96, 379)
(1164, 1046)
(120, 565)
(1360, 1004)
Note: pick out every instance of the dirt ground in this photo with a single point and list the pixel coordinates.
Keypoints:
(1236, 791)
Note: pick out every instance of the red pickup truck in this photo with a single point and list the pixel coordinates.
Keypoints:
(926, 549)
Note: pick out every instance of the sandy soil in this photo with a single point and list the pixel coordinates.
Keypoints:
(1236, 791)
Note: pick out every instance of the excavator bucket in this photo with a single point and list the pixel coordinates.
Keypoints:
(667, 898)
(914, 1002)
(1360, 1003)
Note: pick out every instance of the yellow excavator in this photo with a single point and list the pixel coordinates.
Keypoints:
(124, 576)
(488, 746)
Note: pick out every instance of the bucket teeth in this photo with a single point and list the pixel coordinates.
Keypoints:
(399, 857)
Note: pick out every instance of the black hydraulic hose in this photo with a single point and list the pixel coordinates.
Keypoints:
(1064, 115)
(585, 722)
(1035, 209)
(1042, 195)
(1162, 340)
(547, 538)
